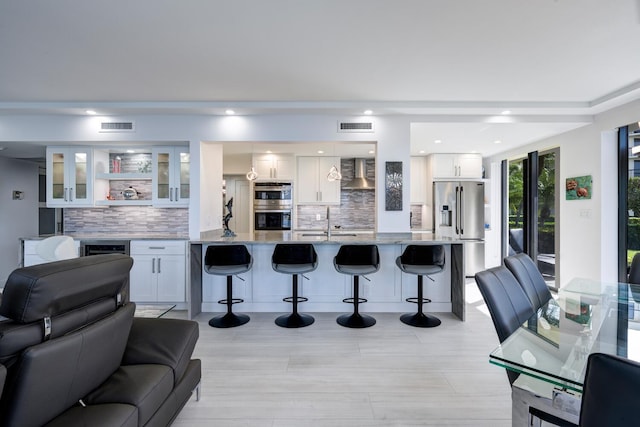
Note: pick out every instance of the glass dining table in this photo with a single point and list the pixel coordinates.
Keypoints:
(585, 317)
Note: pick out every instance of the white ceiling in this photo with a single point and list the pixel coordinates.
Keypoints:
(453, 66)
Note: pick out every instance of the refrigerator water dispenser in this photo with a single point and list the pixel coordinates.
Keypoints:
(445, 216)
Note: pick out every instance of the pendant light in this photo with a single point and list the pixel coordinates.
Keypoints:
(334, 173)
(252, 175)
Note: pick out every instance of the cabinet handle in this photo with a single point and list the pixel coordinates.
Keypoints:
(153, 265)
(159, 266)
(65, 195)
(157, 247)
(320, 192)
(177, 195)
(171, 194)
(71, 194)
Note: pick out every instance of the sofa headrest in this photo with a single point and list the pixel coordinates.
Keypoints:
(46, 290)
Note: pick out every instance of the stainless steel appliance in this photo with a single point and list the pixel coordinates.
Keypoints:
(99, 247)
(458, 212)
(272, 206)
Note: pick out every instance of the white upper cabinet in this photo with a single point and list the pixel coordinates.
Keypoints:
(312, 184)
(454, 166)
(171, 176)
(418, 180)
(69, 177)
(274, 166)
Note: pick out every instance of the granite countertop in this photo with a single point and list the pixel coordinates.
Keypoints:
(318, 237)
(112, 236)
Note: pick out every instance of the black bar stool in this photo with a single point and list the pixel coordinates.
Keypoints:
(228, 260)
(356, 260)
(421, 260)
(294, 259)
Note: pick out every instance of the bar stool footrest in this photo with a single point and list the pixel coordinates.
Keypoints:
(352, 300)
(229, 320)
(291, 299)
(416, 300)
(420, 320)
(233, 301)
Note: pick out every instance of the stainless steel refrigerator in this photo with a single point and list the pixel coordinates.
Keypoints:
(458, 212)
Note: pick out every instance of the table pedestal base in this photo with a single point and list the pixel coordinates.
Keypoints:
(528, 391)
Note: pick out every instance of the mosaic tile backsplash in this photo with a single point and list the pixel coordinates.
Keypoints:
(357, 207)
(127, 220)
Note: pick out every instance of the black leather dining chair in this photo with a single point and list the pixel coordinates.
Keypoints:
(508, 304)
(611, 393)
(530, 278)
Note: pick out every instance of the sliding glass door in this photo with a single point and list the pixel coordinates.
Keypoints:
(532, 210)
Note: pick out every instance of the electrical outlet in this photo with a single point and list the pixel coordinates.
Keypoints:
(318, 218)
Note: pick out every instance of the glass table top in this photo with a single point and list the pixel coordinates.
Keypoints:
(586, 317)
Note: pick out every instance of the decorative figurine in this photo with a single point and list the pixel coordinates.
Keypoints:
(227, 217)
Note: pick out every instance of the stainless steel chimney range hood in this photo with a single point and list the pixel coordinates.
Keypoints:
(360, 180)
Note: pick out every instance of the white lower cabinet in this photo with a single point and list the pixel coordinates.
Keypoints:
(159, 271)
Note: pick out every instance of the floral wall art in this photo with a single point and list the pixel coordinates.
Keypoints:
(579, 187)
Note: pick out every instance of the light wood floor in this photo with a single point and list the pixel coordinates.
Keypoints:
(261, 375)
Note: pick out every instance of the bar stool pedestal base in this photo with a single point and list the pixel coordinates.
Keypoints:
(294, 320)
(420, 320)
(356, 320)
(229, 320)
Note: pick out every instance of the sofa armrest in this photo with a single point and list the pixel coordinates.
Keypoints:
(167, 342)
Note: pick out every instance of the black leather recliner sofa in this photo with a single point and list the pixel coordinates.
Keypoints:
(75, 355)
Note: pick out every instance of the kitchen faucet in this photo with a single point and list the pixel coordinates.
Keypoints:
(328, 223)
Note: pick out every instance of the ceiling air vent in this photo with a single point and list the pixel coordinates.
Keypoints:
(117, 127)
(355, 127)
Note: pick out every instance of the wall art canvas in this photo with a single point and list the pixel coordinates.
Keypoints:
(393, 186)
(579, 187)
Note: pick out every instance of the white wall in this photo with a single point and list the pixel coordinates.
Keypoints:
(19, 218)
(588, 228)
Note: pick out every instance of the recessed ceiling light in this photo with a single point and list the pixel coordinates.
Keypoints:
(229, 112)
(368, 112)
(90, 112)
(320, 152)
(497, 141)
(372, 152)
(268, 151)
(506, 112)
(437, 141)
(421, 151)
(131, 151)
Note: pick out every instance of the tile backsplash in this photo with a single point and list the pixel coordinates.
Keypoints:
(357, 207)
(127, 220)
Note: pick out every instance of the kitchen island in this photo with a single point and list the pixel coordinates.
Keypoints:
(262, 289)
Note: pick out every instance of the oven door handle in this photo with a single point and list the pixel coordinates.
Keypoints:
(272, 211)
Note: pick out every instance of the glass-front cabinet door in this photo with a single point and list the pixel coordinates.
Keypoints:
(171, 176)
(69, 171)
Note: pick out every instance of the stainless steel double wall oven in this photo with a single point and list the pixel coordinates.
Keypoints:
(272, 204)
